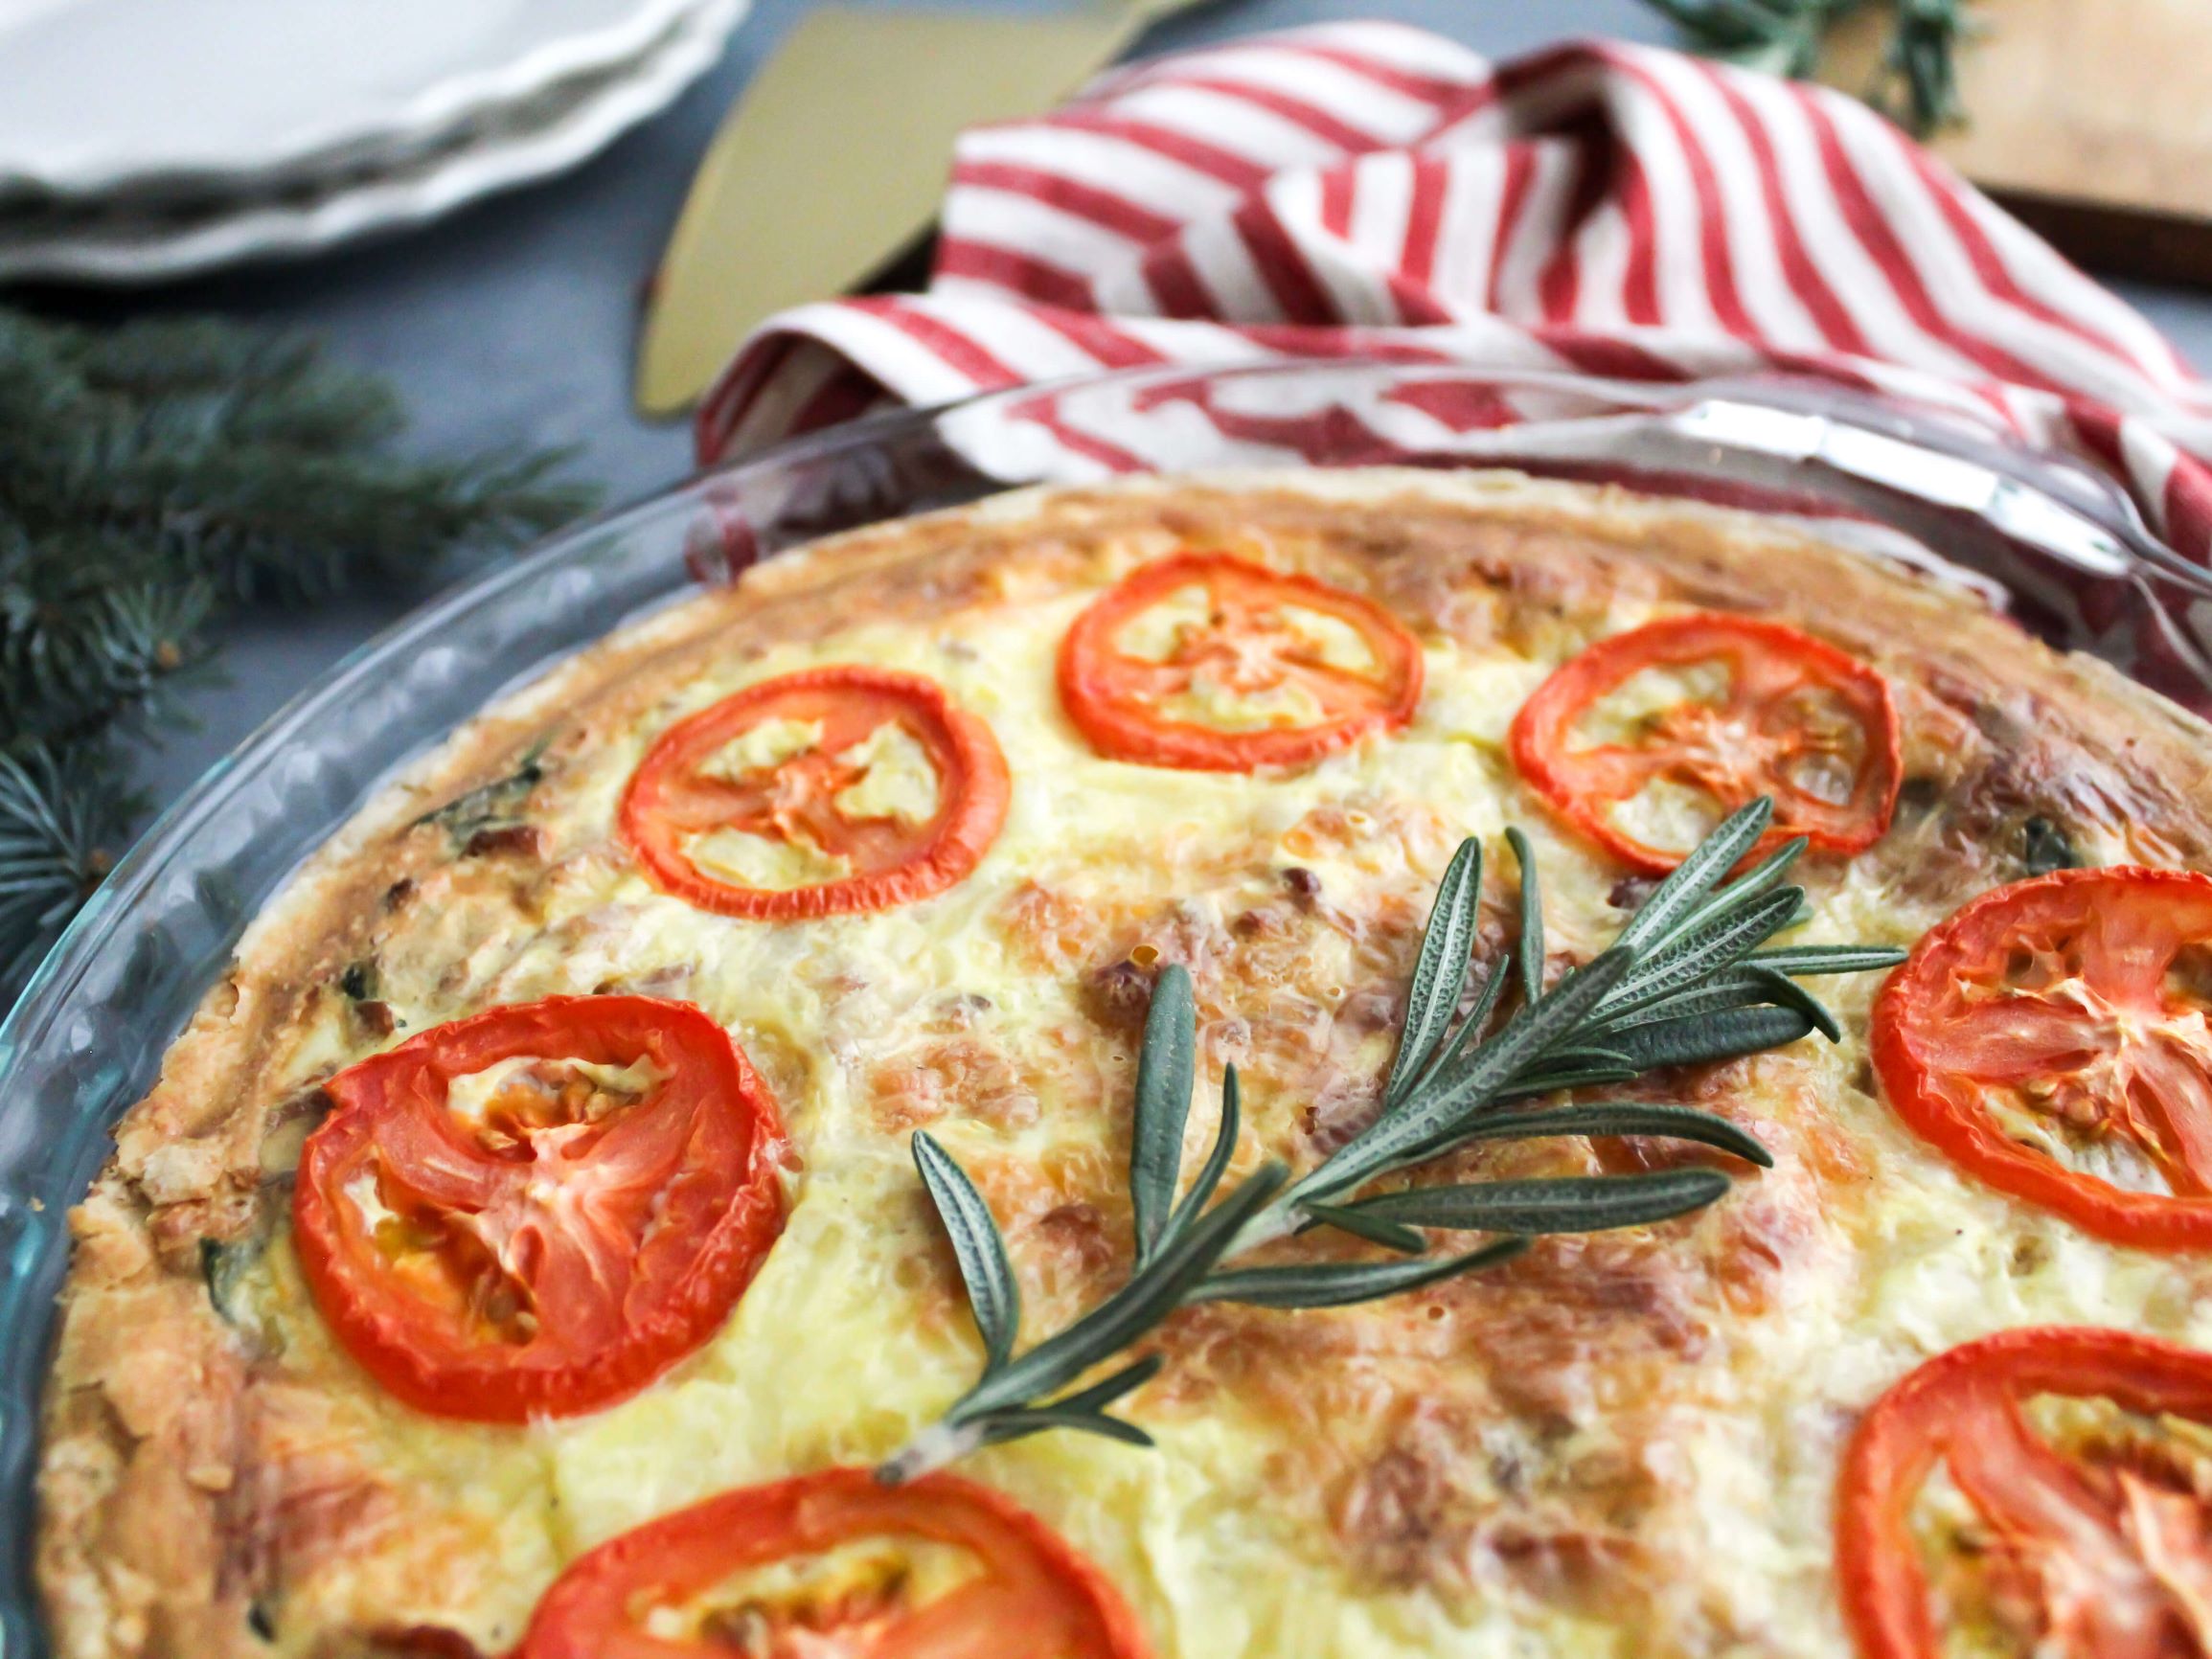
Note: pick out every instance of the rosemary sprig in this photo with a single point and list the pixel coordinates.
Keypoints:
(1686, 981)
(1783, 36)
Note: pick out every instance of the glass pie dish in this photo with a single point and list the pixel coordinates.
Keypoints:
(2054, 544)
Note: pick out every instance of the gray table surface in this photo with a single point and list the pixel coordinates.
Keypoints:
(513, 323)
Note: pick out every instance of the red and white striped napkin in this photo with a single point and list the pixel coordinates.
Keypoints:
(1364, 188)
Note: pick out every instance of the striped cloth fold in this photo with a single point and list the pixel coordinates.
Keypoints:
(1365, 188)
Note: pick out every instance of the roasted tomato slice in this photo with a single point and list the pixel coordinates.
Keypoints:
(822, 793)
(2050, 1040)
(837, 1565)
(536, 1210)
(2071, 1521)
(1214, 664)
(1649, 738)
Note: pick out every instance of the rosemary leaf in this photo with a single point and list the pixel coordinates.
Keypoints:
(1447, 946)
(1800, 960)
(1700, 950)
(1470, 1029)
(1556, 1204)
(1577, 1058)
(1677, 898)
(1760, 880)
(1375, 1231)
(1568, 1068)
(1003, 1426)
(993, 1293)
(1471, 1083)
(1786, 992)
(1681, 1043)
(1147, 1298)
(1734, 988)
(1487, 999)
(1339, 1283)
(1084, 1410)
(1549, 1083)
(1167, 1067)
(1623, 1118)
(1216, 1164)
(1532, 947)
(1100, 1395)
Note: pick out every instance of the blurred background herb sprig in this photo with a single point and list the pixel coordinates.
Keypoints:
(155, 479)
(1917, 87)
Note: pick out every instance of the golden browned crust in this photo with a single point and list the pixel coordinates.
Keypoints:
(158, 1423)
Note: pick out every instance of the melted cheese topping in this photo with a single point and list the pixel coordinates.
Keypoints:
(1623, 1446)
(1153, 634)
(1623, 713)
(772, 863)
(897, 778)
(471, 1097)
(762, 745)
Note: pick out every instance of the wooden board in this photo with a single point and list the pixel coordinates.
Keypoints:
(2090, 119)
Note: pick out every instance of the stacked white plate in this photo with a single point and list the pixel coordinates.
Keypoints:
(142, 140)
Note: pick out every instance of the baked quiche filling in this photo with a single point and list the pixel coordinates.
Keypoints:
(1382, 1064)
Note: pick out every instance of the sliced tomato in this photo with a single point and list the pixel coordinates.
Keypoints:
(805, 799)
(1315, 669)
(537, 1210)
(836, 1563)
(2101, 1549)
(1793, 719)
(2062, 1019)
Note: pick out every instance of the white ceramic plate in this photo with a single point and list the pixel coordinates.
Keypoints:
(558, 130)
(206, 97)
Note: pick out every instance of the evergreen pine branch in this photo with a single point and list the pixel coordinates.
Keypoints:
(70, 671)
(63, 818)
(153, 479)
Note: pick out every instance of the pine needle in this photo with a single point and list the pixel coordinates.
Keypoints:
(62, 822)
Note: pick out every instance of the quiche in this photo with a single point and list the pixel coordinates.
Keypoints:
(675, 1175)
